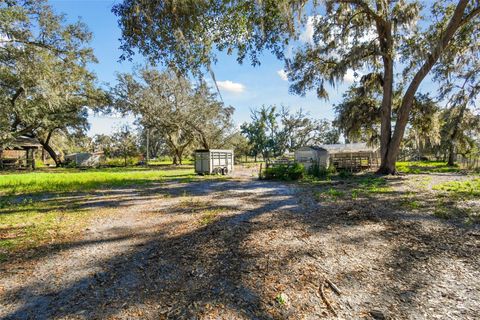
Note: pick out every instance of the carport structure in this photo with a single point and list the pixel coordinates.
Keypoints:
(21, 154)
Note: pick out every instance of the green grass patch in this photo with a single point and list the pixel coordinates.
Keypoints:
(413, 204)
(73, 180)
(355, 185)
(36, 208)
(464, 189)
(370, 184)
(417, 167)
(328, 194)
(30, 224)
(209, 216)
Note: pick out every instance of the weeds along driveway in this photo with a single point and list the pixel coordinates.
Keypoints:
(249, 249)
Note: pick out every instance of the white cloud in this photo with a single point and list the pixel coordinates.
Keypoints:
(307, 34)
(3, 40)
(350, 76)
(282, 74)
(231, 86)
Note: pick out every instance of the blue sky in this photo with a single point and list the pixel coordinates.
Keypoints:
(242, 86)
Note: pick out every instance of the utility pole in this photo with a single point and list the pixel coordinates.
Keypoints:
(148, 146)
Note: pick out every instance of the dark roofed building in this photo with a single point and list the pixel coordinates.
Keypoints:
(21, 154)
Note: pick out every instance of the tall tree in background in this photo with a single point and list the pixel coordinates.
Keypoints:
(272, 134)
(239, 144)
(157, 145)
(460, 132)
(104, 143)
(124, 143)
(348, 34)
(184, 114)
(299, 129)
(261, 132)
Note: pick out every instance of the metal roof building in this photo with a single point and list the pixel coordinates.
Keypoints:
(351, 156)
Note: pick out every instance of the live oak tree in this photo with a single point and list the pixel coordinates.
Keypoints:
(256, 135)
(104, 143)
(261, 132)
(158, 100)
(273, 133)
(299, 129)
(45, 85)
(348, 34)
(360, 35)
(184, 114)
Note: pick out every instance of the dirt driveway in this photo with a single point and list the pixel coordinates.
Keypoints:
(249, 249)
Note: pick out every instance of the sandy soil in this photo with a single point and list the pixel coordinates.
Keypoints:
(249, 249)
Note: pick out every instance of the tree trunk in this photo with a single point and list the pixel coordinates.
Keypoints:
(388, 161)
(179, 156)
(451, 154)
(46, 147)
(454, 135)
(51, 152)
(386, 43)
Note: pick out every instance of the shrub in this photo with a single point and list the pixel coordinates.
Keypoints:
(120, 162)
(345, 174)
(286, 172)
(318, 171)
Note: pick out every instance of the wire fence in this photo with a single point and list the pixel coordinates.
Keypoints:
(470, 163)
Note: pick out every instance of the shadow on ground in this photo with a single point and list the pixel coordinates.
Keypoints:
(232, 266)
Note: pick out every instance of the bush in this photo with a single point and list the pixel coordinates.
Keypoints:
(120, 162)
(345, 174)
(285, 172)
(317, 171)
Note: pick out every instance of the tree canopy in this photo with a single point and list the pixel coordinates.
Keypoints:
(184, 114)
(272, 132)
(45, 85)
(363, 35)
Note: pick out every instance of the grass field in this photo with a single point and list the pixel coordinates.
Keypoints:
(466, 189)
(34, 212)
(416, 167)
(72, 180)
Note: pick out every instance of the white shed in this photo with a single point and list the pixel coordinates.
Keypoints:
(86, 159)
(214, 161)
(312, 155)
(355, 156)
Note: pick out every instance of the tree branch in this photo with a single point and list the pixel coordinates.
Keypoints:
(369, 11)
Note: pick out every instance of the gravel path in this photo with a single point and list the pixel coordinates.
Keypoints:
(249, 249)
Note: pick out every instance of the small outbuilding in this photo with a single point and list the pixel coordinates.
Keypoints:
(21, 154)
(86, 159)
(350, 156)
(214, 161)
